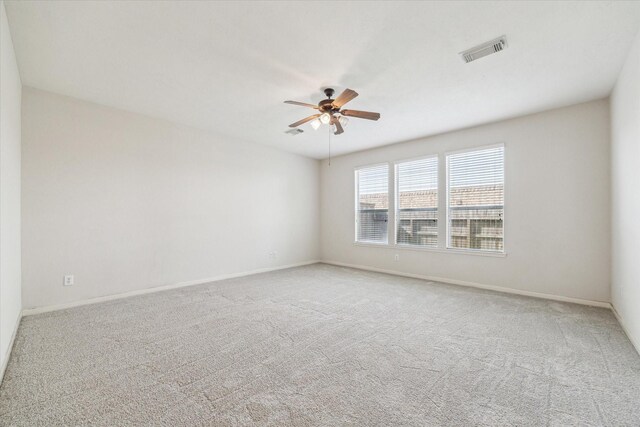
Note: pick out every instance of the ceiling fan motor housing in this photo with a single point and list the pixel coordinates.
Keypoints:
(325, 105)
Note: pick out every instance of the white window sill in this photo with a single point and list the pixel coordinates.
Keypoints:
(431, 249)
(376, 244)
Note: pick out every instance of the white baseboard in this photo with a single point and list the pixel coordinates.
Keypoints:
(635, 344)
(56, 307)
(3, 368)
(475, 285)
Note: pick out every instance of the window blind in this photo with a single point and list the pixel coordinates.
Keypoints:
(476, 199)
(417, 202)
(372, 210)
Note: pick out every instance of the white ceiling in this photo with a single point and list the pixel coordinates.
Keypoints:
(227, 66)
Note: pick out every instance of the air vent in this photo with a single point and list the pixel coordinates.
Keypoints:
(294, 132)
(480, 51)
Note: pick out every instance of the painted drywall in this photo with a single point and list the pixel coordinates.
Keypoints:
(625, 180)
(217, 64)
(557, 216)
(126, 202)
(10, 87)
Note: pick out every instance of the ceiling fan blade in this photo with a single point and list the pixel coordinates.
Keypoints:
(303, 121)
(361, 114)
(336, 123)
(346, 96)
(304, 104)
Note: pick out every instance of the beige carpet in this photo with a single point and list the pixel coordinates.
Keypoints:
(322, 345)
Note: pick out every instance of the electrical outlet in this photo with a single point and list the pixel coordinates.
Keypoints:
(68, 280)
(397, 258)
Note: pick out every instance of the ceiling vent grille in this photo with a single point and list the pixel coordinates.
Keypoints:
(488, 48)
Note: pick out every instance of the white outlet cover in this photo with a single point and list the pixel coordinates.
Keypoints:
(68, 280)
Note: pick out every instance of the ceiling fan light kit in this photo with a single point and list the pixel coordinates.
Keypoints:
(330, 112)
(315, 124)
(325, 118)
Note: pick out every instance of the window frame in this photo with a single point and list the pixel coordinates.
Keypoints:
(485, 252)
(443, 188)
(396, 204)
(356, 182)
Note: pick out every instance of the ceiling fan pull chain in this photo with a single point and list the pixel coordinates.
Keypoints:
(330, 145)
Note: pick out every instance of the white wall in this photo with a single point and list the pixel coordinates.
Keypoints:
(126, 202)
(10, 90)
(557, 216)
(625, 167)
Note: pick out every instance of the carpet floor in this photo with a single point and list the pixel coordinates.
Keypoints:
(322, 346)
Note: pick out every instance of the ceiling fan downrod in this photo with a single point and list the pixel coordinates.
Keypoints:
(329, 92)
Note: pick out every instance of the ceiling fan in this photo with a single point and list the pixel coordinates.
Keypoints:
(330, 113)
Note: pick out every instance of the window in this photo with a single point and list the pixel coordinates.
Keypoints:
(476, 199)
(417, 202)
(372, 203)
